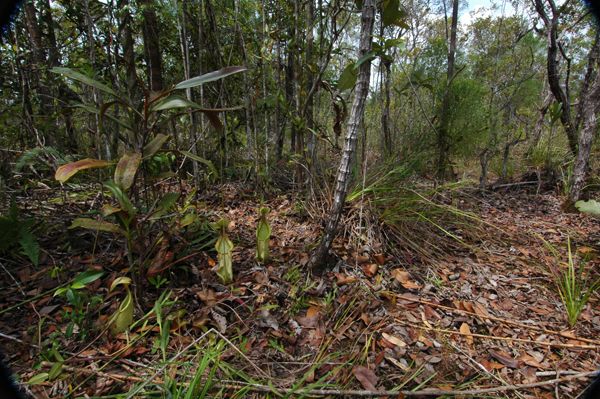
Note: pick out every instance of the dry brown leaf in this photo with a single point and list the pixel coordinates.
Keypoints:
(366, 377)
(505, 358)
(393, 340)
(344, 279)
(465, 329)
(403, 277)
(370, 269)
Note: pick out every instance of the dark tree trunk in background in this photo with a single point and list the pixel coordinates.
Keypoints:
(356, 115)
(443, 139)
(39, 69)
(150, 27)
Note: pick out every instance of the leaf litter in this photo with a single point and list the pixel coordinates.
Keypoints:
(381, 319)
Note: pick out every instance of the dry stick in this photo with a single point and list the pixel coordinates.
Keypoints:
(496, 338)
(425, 392)
(345, 392)
(514, 323)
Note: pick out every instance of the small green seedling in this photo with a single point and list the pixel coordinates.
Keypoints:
(263, 234)
(224, 248)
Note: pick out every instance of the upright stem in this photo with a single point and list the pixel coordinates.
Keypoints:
(356, 115)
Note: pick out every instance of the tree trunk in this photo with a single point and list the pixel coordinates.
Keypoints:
(561, 95)
(581, 167)
(356, 114)
(443, 143)
(151, 45)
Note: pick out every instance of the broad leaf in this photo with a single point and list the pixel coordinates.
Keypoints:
(209, 77)
(126, 281)
(72, 74)
(197, 158)
(30, 246)
(89, 276)
(393, 14)
(592, 207)
(154, 145)
(65, 172)
(98, 225)
(348, 78)
(165, 204)
(121, 197)
(126, 169)
(174, 102)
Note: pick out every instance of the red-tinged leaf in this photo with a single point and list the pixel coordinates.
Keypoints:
(366, 377)
(311, 319)
(126, 169)
(65, 172)
(370, 269)
(380, 259)
(505, 358)
(160, 263)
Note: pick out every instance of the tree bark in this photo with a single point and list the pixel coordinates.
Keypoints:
(561, 95)
(151, 45)
(356, 114)
(443, 143)
(586, 136)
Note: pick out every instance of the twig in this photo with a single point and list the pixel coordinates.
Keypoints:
(425, 392)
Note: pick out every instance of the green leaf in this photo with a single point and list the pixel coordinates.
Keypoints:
(55, 370)
(154, 145)
(93, 110)
(126, 281)
(591, 207)
(165, 204)
(65, 172)
(367, 57)
(174, 102)
(30, 246)
(38, 379)
(393, 14)
(87, 277)
(121, 197)
(72, 74)
(126, 169)
(209, 77)
(347, 78)
(98, 225)
(197, 158)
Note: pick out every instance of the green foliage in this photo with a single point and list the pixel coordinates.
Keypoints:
(14, 231)
(80, 301)
(42, 156)
(574, 286)
(591, 207)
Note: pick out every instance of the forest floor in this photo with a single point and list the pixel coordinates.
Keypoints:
(482, 319)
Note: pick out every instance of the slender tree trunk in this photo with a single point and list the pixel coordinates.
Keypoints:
(356, 114)
(38, 76)
(561, 95)
(91, 42)
(590, 124)
(151, 35)
(443, 141)
(185, 54)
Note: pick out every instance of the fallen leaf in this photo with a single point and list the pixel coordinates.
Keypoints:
(393, 340)
(366, 377)
(505, 358)
(465, 329)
